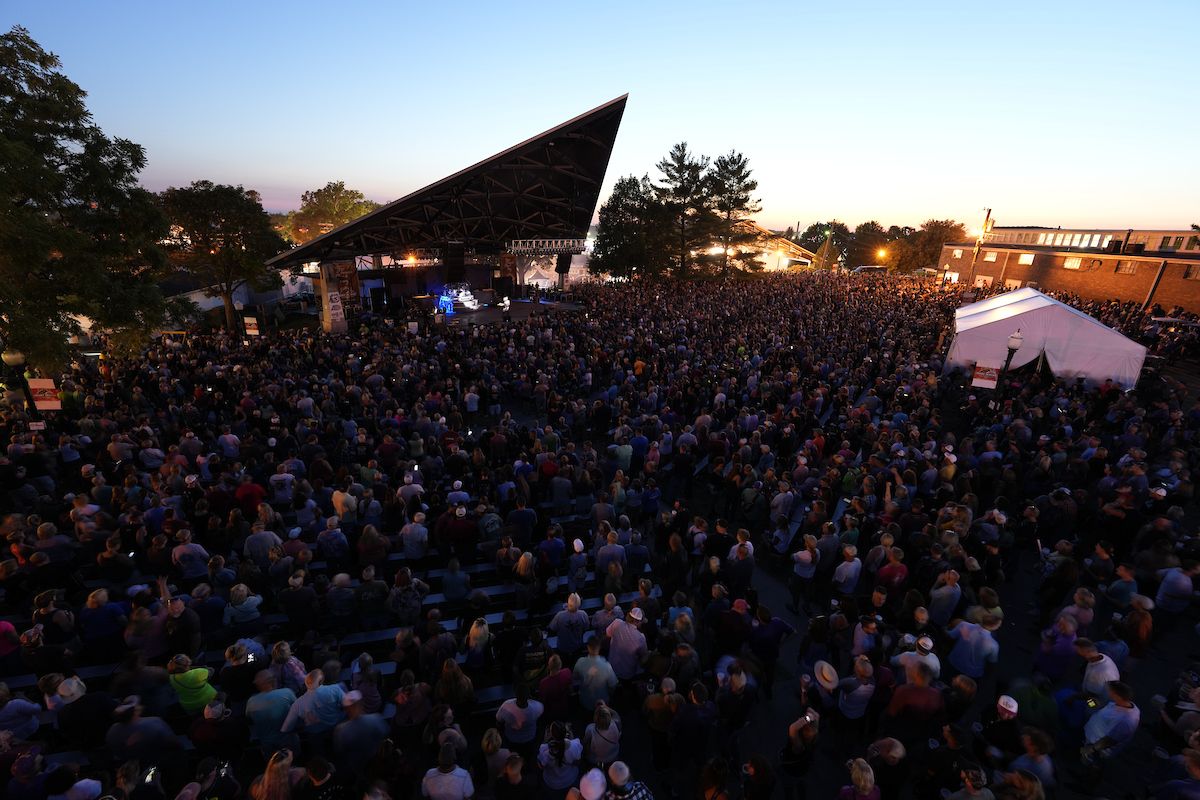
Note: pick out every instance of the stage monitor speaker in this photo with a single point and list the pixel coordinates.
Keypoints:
(455, 261)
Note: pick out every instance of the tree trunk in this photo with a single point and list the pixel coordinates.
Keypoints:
(227, 299)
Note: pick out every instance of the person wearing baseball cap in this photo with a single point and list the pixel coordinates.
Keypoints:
(627, 644)
(1000, 734)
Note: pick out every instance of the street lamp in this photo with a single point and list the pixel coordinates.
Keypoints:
(1014, 344)
(16, 360)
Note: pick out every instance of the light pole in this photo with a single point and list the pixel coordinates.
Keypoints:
(987, 220)
(15, 359)
(1014, 344)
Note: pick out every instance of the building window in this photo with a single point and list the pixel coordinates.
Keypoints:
(1025, 258)
(1166, 242)
(1058, 239)
(1095, 240)
(1075, 240)
(1107, 239)
(1191, 272)
(1072, 263)
(1193, 242)
(1041, 238)
(1178, 242)
(957, 253)
(990, 255)
(1126, 268)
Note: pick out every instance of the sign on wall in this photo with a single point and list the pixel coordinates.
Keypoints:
(251, 325)
(346, 279)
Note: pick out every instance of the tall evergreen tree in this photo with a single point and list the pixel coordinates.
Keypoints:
(732, 188)
(684, 194)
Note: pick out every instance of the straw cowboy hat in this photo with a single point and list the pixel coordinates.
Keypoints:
(826, 675)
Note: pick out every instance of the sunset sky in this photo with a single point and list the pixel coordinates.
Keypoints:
(1063, 113)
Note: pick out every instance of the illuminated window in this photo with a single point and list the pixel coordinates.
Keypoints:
(1095, 240)
(1075, 240)
(989, 255)
(1072, 263)
(958, 253)
(1178, 242)
(1107, 239)
(1126, 268)
(1058, 239)
(1025, 258)
(1041, 238)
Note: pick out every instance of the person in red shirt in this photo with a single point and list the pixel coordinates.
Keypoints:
(248, 496)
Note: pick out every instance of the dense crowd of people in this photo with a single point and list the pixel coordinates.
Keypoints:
(564, 556)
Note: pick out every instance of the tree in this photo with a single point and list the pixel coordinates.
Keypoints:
(78, 237)
(732, 198)
(866, 242)
(633, 232)
(923, 247)
(684, 195)
(222, 235)
(325, 209)
(814, 236)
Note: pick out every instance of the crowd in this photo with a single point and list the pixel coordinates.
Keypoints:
(565, 557)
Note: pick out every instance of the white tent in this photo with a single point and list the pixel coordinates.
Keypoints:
(1074, 343)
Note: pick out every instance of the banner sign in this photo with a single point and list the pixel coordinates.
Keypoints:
(336, 312)
(251, 325)
(346, 279)
(45, 396)
(985, 377)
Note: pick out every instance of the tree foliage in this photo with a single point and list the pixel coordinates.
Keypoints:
(78, 236)
(686, 201)
(731, 189)
(222, 235)
(814, 236)
(865, 243)
(324, 209)
(922, 247)
(634, 232)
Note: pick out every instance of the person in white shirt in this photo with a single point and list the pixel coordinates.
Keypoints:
(518, 717)
(447, 781)
(1100, 669)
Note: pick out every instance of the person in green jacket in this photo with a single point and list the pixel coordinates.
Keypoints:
(190, 684)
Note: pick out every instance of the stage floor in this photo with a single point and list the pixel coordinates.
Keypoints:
(521, 310)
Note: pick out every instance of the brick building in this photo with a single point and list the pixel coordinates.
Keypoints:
(1147, 266)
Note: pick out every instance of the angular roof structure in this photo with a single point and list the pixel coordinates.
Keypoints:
(544, 187)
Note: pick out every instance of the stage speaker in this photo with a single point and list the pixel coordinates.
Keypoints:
(563, 266)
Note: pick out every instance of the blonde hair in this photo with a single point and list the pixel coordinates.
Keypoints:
(574, 601)
(479, 633)
(491, 742)
(862, 776)
(238, 594)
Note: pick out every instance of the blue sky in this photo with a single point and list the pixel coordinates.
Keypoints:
(1052, 113)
